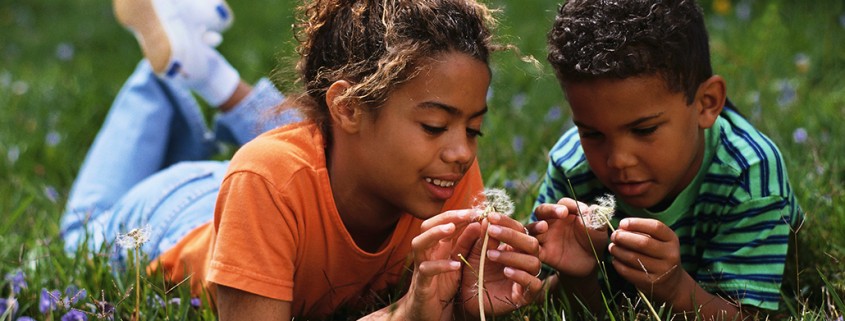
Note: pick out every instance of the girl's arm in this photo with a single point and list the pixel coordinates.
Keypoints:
(234, 304)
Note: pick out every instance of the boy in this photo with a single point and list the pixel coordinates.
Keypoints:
(705, 208)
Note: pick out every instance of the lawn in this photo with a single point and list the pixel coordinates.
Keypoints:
(62, 62)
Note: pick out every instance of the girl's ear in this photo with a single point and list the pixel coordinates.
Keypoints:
(710, 99)
(345, 116)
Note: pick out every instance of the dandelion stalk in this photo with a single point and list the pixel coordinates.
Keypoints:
(493, 200)
(600, 215)
(133, 241)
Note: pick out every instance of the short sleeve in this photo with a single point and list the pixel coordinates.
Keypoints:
(255, 245)
(745, 259)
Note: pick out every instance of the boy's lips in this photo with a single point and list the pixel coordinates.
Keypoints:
(631, 188)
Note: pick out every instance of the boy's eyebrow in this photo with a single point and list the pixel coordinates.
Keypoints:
(450, 109)
(631, 124)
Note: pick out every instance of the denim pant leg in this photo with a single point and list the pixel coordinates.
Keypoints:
(256, 114)
(151, 125)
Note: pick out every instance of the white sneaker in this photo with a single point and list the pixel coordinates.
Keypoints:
(175, 35)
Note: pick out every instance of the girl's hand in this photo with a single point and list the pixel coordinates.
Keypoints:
(437, 270)
(510, 270)
(565, 243)
(647, 253)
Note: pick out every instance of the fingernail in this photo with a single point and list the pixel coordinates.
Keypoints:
(495, 230)
(448, 227)
(494, 216)
(455, 265)
(509, 271)
(560, 211)
(493, 254)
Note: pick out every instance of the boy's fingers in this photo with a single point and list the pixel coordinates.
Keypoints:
(518, 239)
(651, 227)
(551, 211)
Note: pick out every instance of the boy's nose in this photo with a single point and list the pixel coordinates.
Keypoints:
(621, 159)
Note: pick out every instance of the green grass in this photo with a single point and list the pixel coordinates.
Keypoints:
(62, 62)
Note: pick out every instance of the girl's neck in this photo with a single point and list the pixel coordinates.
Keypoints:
(368, 221)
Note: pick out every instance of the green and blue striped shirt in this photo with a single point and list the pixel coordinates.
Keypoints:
(733, 220)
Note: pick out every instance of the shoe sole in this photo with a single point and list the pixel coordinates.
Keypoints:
(141, 18)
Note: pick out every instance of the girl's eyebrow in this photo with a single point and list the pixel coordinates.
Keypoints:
(450, 109)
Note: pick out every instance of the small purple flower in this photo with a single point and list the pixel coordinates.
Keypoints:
(175, 301)
(518, 101)
(48, 300)
(17, 280)
(64, 51)
(196, 303)
(25, 318)
(842, 20)
(74, 294)
(8, 304)
(13, 154)
(74, 315)
(800, 135)
(4, 305)
(743, 11)
(518, 143)
(51, 193)
(788, 94)
(553, 114)
(53, 138)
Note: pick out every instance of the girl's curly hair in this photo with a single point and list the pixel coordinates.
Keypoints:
(377, 45)
(594, 39)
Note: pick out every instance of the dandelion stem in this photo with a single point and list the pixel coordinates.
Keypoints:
(137, 286)
(481, 290)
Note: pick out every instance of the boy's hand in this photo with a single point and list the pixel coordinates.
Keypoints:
(509, 270)
(437, 270)
(647, 253)
(564, 241)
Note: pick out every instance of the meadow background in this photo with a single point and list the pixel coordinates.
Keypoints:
(62, 62)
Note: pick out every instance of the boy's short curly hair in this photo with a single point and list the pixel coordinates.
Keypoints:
(604, 39)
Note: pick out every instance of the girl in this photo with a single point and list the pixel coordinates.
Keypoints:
(326, 214)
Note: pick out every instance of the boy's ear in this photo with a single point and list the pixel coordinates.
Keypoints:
(710, 99)
(344, 115)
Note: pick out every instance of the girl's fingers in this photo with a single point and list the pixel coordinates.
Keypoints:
(507, 230)
(458, 217)
(430, 237)
(429, 269)
(514, 260)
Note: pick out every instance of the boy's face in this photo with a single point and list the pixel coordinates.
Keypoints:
(421, 142)
(642, 141)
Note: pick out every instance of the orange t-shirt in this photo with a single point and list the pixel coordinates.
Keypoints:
(277, 231)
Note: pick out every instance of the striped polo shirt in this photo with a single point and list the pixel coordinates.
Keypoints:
(733, 221)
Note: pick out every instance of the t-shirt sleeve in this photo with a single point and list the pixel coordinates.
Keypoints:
(255, 245)
(745, 258)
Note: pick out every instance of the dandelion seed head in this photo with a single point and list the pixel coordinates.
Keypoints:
(599, 215)
(135, 238)
(495, 200)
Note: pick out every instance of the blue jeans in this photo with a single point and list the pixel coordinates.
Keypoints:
(148, 164)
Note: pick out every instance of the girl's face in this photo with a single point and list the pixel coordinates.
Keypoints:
(641, 140)
(420, 143)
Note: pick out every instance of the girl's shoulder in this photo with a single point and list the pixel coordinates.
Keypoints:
(281, 152)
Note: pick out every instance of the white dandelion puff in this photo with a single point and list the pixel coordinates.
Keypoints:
(135, 238)
(494, 200)
(599, 215)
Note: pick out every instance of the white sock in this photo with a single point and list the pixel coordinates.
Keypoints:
(217, 83)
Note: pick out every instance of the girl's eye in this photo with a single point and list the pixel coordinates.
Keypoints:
(645, 131)
(473, 133)
(433, 130)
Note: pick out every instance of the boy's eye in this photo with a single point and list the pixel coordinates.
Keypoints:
(645, 131)
(434, 130)
(589, 134)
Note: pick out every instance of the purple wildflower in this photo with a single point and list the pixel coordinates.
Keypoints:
(743, 11)
(800, 135)
(842, 20)
(196, 302)
(518, 143)
(74, 315)
(13, 154)
(25, 318)
(74, 294)
(48, 300)
(17, 280)
(554, 113)
(64, 51)
(518, 101)
(4, 305)
(53, 138)
(788, 94)
(51, 193)
(175, 301)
